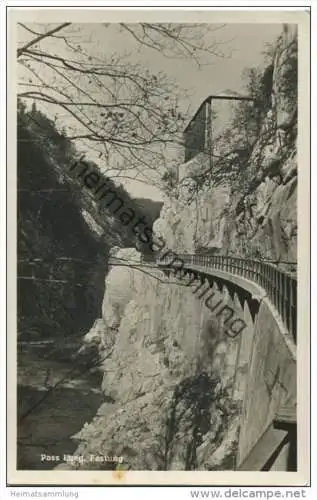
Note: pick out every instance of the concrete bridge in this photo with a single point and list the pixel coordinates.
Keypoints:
(266, 353)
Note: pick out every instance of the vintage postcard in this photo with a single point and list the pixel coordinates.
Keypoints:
(158, 252)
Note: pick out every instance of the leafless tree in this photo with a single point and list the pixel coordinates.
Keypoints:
(127, 114)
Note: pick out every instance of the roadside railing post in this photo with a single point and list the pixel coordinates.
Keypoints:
(260, 274)
(257, 272)
(287, 304)
(250, 267)
(264, 274)
(285, 297)
(280, 297)
(274, 292)
(243, 270)
(280, 287)
(275, 288)
(269, 280)
(293, 308)
(266, 277)
(251, 270)
(290, 307)
(234, 265)
(240, 267)
(272, 284)
(281, 310)
(237, 268)
(246, 269)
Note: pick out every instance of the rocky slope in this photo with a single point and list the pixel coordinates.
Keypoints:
(169, 376)
(64, 235)
(253, 213)
(170, 379)
(61, 259)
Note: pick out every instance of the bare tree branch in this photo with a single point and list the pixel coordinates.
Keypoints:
(40, 37)
(118, 109)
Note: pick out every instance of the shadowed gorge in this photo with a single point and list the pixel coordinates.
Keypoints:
(163, 333)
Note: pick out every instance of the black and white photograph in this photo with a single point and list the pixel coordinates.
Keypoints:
(155, 255)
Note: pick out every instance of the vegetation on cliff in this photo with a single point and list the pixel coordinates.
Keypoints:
(62, 257)
(243, 202)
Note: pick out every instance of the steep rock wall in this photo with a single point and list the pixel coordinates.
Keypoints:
(255, 217)
(61, 259)
(173, 380)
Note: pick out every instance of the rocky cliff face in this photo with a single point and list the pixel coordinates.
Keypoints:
(172, 387)
(254, 215)
(61, 258)
(169, 373)
(64, 233)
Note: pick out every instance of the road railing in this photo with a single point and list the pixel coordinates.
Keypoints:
(280, 286)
